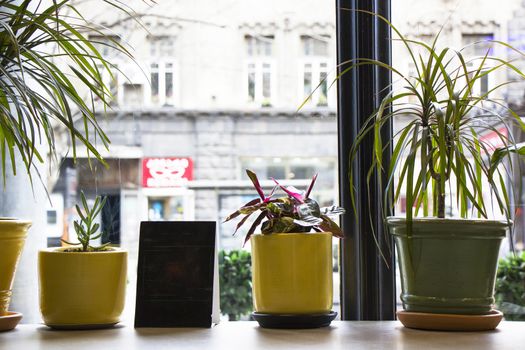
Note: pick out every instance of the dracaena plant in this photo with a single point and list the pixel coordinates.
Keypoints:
(294, 212)
(441, 149)
(87, 228)
(51, 75)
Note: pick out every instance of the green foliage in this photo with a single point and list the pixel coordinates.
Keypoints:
(86, 229)
(510, 287)
(235, 283)
(440, 151)
(46, 63)
(295, 212)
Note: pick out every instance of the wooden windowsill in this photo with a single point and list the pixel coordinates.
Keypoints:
(249, 336)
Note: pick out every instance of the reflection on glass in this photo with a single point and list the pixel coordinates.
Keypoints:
(166, 208)
(156, 209)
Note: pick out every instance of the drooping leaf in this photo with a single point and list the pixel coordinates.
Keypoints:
(240, 223)
(328, 225)
(291, 191)
(239, 212)
(256, 223)
(499, 155)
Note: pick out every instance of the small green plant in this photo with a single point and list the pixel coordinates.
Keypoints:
(295, 212)
(235, 278)
(86, 229)
(510, 287)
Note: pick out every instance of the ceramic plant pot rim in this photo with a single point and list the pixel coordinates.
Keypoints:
(14, 221)
(433, 227)
(60, 250)
(13, 228)
(291, 234)
(400, 220)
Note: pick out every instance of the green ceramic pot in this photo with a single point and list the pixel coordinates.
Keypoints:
(448, 265)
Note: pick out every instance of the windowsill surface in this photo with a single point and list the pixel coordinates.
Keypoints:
(249, 336)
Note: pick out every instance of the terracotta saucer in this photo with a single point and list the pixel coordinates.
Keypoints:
(450, 322)
(9, 321)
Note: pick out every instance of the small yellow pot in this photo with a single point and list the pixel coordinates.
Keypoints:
(82, 289)
(292, 273)
(13, 234)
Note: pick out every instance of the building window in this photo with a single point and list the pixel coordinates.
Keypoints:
(259, 69)
(111, 80)
(162, 71)
(105, 45)
(314, 69)
(51, 217)
(475, 47)
(133, 94)
(162, 81)
(315, 46)
(162, 46)
(300, 169)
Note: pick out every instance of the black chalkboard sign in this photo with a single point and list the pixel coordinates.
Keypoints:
(175, 274)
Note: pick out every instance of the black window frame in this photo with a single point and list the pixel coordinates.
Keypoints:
(368, 288)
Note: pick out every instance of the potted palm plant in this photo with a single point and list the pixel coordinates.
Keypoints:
(291, 266)
(83, 287)
(442, 156)
(51, 79)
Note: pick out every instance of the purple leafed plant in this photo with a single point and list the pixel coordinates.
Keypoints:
(294, 212)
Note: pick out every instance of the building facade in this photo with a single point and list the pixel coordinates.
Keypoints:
(215, 89)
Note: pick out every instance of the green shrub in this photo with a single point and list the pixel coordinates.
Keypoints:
(235, 283)
(510, 287)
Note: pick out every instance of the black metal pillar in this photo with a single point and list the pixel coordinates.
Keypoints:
(367, 282)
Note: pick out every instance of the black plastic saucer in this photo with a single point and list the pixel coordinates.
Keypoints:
(294, 321)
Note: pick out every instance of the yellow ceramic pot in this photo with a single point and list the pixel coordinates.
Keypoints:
(82, 289)
(13, 234)
(292, 273)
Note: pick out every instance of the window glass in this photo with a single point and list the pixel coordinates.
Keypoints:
(259, 70)
(168, 83)
(315, 71)
(261, 45)
(154, 83)
(105, 44)
(212, 93)
(133, 94)
(471, 27)
(477, 44)
(162, 46)
(315, 46)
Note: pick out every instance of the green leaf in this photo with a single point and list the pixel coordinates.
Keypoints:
(501, 153)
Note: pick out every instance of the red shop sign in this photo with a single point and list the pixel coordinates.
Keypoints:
(493, 139)
(166, 172)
